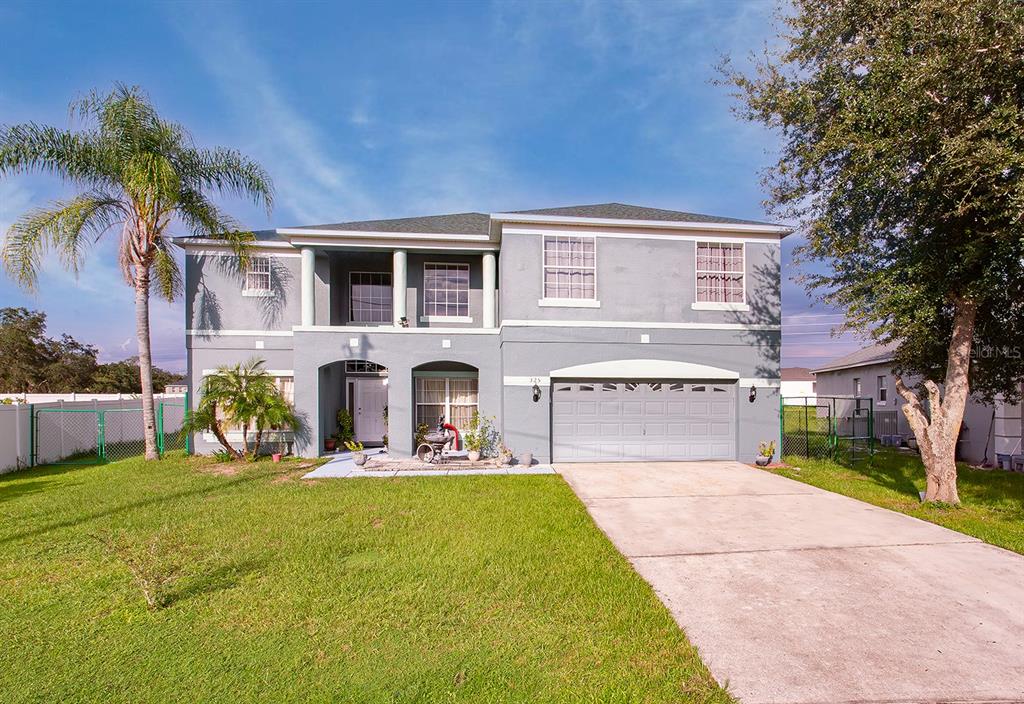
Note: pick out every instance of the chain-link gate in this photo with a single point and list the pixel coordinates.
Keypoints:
(831, 427)
(97, 435)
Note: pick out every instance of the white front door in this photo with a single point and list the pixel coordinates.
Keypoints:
(371, 396)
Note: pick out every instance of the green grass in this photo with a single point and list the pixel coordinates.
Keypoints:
(482, 589)
(992, 502)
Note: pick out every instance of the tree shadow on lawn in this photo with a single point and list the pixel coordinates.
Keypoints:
(219, 578)
(42, 530)
(891, 472)
(9, 492)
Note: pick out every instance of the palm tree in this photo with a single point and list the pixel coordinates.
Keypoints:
(244, 396)
(140, 176)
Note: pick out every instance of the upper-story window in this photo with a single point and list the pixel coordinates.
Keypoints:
(883, 389)
(446, 290)
(720, 272)
(570, 267)
(257, 277)
(370, 297)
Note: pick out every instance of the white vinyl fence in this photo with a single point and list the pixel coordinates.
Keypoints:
(66, 429)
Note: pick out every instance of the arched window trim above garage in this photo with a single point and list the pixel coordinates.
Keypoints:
(644, 369)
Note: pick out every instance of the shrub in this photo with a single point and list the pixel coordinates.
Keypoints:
(155, 564)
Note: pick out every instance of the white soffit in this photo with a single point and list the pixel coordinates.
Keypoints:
(644, 369)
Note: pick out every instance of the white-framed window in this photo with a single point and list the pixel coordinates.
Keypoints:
(454, 397)
(570, 267)
(285, 385)
(361, 366)
(445, 290)
(856, 387)
(883, 389)
(370, 297)
(257, 277)
(720, 272)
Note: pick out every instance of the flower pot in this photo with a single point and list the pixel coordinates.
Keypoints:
(474, 455)
(330, 444)
(276, 457)
(763, 461)
(359, 458)
(526, 459)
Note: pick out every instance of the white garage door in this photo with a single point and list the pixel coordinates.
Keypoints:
(611, 421)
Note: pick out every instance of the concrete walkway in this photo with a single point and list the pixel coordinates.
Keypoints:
(798, 595)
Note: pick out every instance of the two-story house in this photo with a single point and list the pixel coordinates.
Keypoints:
(601, 332)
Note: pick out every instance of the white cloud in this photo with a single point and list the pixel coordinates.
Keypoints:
(310, 185)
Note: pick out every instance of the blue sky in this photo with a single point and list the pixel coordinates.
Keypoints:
(393, 109)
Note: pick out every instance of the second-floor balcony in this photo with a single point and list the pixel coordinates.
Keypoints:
(397, 288)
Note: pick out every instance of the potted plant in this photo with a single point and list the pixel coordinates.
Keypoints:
(330, 443)
(475, 435)
(765, 453)
(356, 448)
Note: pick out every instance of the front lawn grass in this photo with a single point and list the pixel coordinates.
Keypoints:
(992, 501)
(483, 589)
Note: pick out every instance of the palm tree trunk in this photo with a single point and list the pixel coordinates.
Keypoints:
(145, 360)
(259, 439)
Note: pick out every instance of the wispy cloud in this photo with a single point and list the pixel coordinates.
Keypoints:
(311, 185)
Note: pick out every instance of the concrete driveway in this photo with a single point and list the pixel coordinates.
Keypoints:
(795, 594)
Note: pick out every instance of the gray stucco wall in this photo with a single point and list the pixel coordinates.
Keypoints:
(638, 279)
(401, 353)
(214, 299)
(977, 426)
(536, 351)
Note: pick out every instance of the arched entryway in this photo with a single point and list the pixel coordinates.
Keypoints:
(358, 387)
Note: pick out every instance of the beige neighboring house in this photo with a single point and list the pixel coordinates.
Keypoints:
(990, 432)
(799, 387)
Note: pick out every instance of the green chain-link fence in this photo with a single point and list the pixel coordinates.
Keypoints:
(833, 427)
(95, 435)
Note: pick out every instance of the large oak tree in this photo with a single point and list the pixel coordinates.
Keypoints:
(902, 159)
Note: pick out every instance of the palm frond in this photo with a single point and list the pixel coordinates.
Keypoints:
(205, 219)
(69, 227)
(228, 171)
(167, 273)
(80, 157)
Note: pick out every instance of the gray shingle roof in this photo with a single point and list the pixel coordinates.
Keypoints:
(452, 224)
(622, 211)
(479, 223)
(869, 355)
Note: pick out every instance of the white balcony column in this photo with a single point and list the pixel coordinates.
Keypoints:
(308, 291)
(489, 283)
(399, 275)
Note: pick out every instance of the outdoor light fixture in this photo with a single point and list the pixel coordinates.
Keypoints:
(536, 393)
(753, 393)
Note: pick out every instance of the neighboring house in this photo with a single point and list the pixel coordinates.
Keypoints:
(798, 386)
(987, 430)
(598, 332)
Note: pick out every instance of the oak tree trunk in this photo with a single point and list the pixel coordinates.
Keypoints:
(145, 360)
(938, 427)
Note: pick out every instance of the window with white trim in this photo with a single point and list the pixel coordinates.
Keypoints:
(883, 389)
(570, 267)
(257, 275)
(720, 272)
(285, 386)
(370, 297)
(455, 398)
(446, 290)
